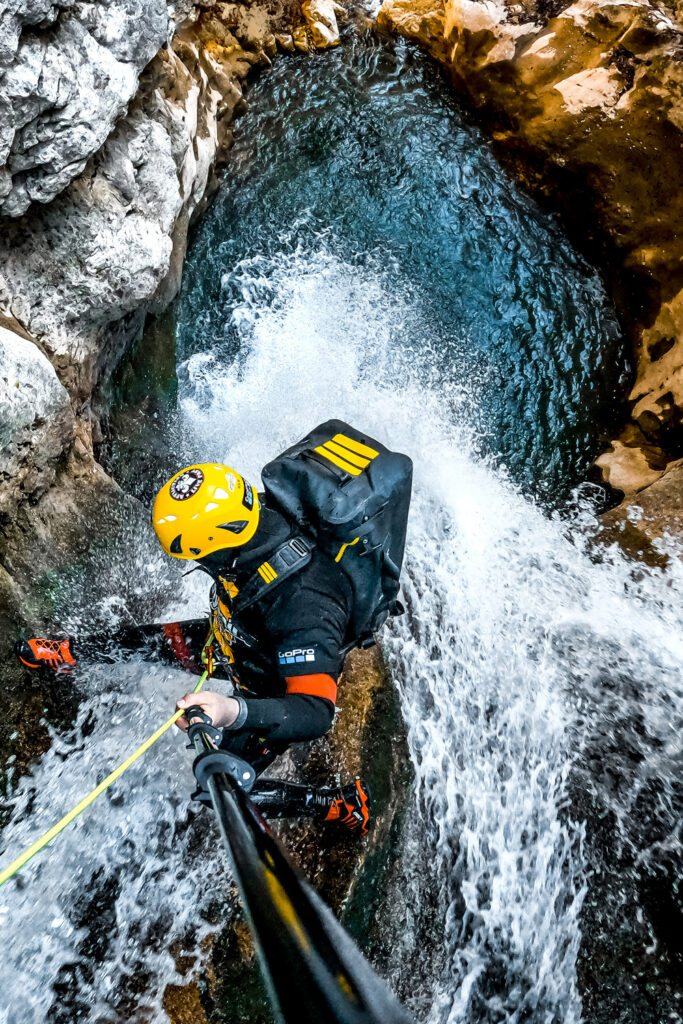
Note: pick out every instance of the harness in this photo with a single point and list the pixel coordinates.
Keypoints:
(287, 559)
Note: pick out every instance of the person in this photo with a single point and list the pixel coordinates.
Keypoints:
(287, 603)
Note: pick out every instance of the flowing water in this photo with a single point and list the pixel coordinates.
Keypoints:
(367, 258)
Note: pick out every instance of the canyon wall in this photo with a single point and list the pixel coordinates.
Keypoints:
(114, 116)
(585, 99)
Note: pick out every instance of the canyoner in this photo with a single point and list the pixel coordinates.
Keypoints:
(302, 574)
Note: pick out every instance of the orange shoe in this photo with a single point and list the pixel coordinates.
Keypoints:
(350, 807)
(53, 654)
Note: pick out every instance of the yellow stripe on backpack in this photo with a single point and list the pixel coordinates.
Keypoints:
(356, 446)
(337, 460)
(344, 453)
(350, 455)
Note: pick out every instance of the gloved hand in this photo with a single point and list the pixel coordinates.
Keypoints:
(223, 711)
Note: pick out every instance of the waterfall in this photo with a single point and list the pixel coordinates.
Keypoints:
(367, 259)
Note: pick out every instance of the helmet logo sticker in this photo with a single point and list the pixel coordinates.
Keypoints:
(187, 484)
(248, 496)
(232, 482)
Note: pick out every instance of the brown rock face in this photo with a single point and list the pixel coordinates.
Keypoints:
(589, 106)
(655, 514)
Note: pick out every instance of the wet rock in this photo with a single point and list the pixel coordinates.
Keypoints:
(631, 463)
(67, 72)
(586, 99)
(36, 421)
(657, 394)
(655, 514)
(183, 1005)
(320, 30)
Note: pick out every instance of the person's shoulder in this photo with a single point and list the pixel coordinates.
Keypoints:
(318, 591)
(322, 569)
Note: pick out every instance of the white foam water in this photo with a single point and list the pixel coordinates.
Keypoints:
(512, 629)
(85, 927)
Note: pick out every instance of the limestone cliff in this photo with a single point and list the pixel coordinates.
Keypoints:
(586, 99)
(113, 118)
(67, 72)
(36, 419)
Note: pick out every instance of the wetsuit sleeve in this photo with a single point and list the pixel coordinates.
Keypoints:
(288, 719)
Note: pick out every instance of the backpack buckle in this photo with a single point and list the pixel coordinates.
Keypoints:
(299, 547)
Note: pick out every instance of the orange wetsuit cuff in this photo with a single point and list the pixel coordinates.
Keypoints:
(317, 685)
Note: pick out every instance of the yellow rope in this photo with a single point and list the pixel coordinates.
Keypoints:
(26, 856)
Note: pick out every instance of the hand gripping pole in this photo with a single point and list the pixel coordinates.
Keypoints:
(314, 972)
(209, 761)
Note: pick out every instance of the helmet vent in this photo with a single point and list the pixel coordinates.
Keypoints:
(235, 527)
(176, 547)
(196, 551)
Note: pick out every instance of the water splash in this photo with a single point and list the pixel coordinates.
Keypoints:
(513, 630)
(87, 928)
(528, 667)
(482, 688)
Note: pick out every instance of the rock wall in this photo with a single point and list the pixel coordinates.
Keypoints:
(113, 118)
(36, 420)
(586, 100)
(109, 246)
(67, 73)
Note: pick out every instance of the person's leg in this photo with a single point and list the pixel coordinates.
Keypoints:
(178, 643)
(275, 798)
(347, 805)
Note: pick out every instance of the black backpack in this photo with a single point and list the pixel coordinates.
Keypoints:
(349, 496)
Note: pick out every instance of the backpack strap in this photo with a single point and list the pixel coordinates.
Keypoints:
(289, 558)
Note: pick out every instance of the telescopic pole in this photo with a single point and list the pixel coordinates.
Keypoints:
(314, 972)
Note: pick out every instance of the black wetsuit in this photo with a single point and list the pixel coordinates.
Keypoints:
(298, 632)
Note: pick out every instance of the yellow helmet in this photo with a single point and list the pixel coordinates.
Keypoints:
(203, 509)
